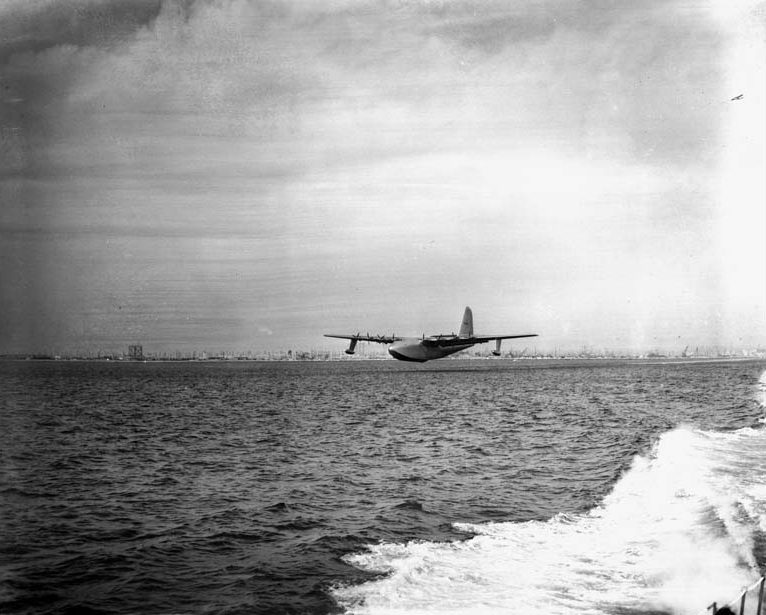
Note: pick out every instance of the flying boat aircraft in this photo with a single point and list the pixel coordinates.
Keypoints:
(427, 348)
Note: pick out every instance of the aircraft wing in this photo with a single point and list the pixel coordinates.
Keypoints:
(474, 339)
(480, 339)
(358, 337)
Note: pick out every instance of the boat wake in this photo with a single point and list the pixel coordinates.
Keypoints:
(684, 526)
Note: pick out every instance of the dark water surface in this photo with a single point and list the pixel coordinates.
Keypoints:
(379, 487)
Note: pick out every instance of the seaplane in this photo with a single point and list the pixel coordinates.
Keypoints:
(428, 348)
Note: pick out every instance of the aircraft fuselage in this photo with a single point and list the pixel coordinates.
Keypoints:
(413, 349)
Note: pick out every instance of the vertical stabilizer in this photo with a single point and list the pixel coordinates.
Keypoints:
(466, 327)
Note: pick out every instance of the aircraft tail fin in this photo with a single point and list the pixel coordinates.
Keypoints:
(466, 327)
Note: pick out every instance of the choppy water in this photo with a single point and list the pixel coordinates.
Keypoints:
(380, 487)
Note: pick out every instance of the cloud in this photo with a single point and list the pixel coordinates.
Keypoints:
(376, 82)
(543, 147)
(36, 25)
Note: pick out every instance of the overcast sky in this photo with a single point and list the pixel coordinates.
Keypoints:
(245, 175)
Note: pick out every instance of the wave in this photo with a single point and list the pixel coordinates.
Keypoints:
(684, 526)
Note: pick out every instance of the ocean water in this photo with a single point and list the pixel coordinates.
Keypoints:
(459, 486)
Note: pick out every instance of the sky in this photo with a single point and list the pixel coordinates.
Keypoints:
(248, 175)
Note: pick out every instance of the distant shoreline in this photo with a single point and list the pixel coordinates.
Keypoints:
(618, 359)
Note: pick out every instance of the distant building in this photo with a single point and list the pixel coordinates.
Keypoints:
(136, 352)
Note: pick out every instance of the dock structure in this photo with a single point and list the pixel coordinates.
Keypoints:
(749, 602)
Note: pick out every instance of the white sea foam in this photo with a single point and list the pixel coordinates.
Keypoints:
(676, 533)
(762, 391)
